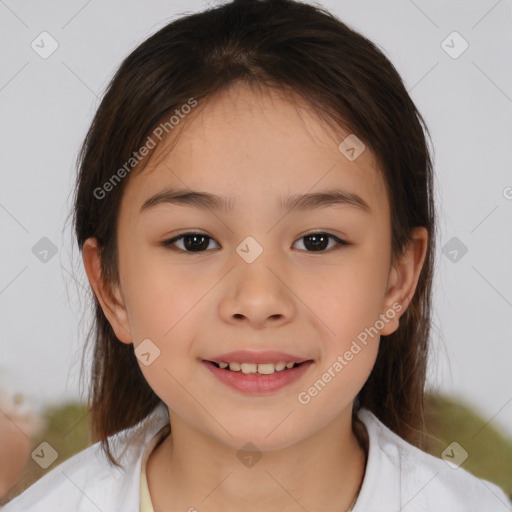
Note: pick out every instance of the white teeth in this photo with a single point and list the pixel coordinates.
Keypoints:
(266, 368)
(261, 368)
(249, 368)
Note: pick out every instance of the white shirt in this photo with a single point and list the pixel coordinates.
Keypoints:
(398, 478)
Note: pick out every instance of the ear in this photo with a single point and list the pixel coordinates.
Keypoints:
(109, 296)
(403, 279)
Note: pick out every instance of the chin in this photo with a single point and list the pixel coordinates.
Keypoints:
(269, 434)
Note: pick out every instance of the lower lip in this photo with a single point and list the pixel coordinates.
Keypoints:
(257, 384)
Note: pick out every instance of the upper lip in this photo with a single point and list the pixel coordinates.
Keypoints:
(266, 356)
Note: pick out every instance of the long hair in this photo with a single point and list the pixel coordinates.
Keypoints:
(348, 81)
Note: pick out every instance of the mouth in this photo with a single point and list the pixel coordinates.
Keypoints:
(257, 378)
(257, 368)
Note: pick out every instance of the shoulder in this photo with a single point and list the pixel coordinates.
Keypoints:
(88, 481)
(59, 485)
(402, 477)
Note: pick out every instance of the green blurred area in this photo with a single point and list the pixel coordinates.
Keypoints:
(489, 450)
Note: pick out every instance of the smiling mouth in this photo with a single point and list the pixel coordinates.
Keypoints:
(256, 369)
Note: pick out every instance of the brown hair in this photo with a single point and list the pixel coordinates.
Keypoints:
(347, 80)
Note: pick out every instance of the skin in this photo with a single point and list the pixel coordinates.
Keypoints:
(14, 451)
(255, 147)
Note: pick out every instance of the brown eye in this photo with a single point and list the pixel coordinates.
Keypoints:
(318, 242)
(192, 242)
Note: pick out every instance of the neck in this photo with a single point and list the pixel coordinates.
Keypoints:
(321, 472)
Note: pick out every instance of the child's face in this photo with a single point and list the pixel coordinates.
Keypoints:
(195, 306)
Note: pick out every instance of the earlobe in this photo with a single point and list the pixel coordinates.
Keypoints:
(109, 297)
(403, 278)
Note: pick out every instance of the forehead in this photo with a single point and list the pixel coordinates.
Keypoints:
(255, 145)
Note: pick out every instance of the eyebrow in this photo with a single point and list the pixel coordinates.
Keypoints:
(207, 201)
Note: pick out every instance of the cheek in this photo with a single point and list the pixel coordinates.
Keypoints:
(350, 304)
(159, 295)
(337, 382)
(351, 353)
(164, 308)
(351, 298)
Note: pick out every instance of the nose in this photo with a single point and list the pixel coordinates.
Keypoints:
(258, 295)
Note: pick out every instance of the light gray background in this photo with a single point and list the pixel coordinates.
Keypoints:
(46, 106)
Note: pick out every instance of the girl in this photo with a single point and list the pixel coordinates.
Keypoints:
(254, 207)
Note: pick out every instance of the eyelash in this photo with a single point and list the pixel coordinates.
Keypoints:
(170, 243)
